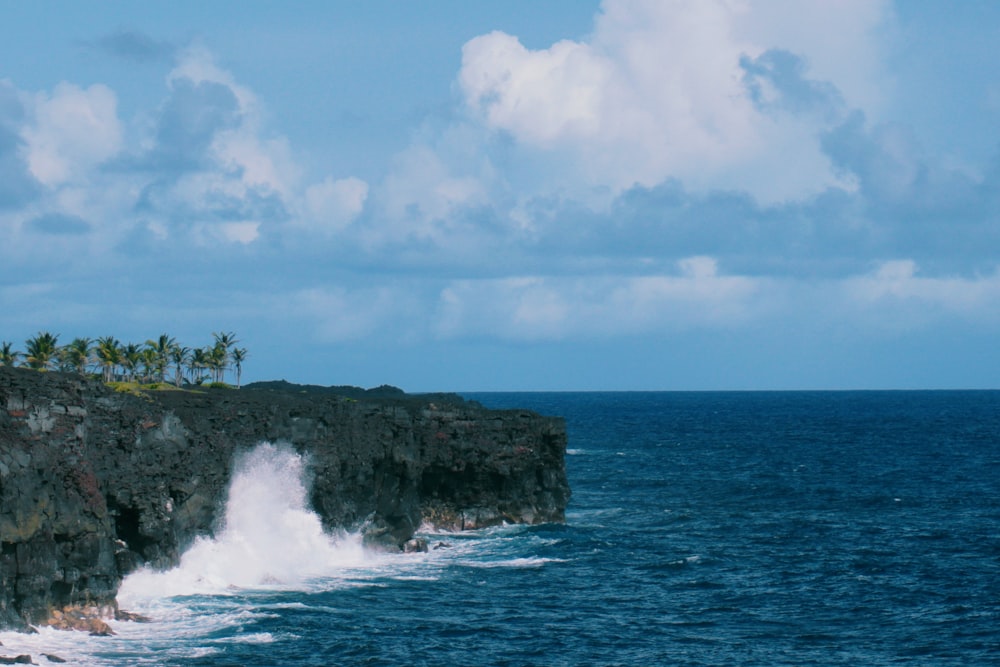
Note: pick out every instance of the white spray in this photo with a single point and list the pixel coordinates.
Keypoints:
(270, 537)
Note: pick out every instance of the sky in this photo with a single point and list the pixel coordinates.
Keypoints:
(462, 195)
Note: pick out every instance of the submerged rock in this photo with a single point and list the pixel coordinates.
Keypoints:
(122, 615)
(85, 618)
(95, 483)
(415, 545)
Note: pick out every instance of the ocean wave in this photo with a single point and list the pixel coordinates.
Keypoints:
(228, 591)
(530, 562)
(271, 539)
(251, 638)
(74, 647)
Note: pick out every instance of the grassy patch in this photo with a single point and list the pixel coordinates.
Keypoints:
(136, 388)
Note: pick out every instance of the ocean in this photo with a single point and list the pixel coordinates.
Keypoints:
(709, 528)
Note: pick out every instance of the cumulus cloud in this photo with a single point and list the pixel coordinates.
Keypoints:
(202, 169)
(423, 190)
(17, 185)
(843, 41)
(628, 101)
(210, 122)
(670, 89)
(515, 89)
(189, 122)
(211, 207)
(213, 174)
(442, 194)
(334, 203)
(71, 131)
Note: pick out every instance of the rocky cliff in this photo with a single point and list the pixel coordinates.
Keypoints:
(94, 482)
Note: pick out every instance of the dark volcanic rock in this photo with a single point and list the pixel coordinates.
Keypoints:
(94, 483)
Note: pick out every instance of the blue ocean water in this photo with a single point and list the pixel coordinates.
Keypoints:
(745, 528)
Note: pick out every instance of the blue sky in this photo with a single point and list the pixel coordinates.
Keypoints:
(564, 195)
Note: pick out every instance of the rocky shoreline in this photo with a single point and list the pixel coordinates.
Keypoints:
(95, 483)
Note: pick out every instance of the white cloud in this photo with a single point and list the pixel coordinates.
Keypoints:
(339, 314)
(895, 287)
(657, 91)
(893, 298)
(531, 308)
(71, 131)
(206, 171)
(514, 88)
(240, 232)
(556, 308)
(333, 204)
(260, 163)
(843, 41)
(197, 65)
(241, 150)
(425, 188)
(219, 177)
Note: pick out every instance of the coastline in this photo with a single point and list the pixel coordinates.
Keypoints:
(97, 483)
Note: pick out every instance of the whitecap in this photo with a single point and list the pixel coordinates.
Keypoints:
(251, 638)
(75, 647)
(530, 562)
(192, 652)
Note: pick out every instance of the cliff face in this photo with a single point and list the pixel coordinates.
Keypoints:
(94, 483)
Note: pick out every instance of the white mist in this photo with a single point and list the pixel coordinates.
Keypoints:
(270, 537)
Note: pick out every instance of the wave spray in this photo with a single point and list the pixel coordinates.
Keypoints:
(270, 537)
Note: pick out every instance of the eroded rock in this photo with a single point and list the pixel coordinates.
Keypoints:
(94, 483)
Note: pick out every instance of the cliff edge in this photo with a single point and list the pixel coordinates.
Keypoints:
(95, 483)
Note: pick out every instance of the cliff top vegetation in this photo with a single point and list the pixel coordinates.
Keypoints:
(160, 360)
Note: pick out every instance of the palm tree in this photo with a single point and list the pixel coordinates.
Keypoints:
(131, 357)
(132, 362)
(41, 350)
(218, 361)
(76, 355)
(179, 357)
(239, 355)
(161, 348)
(226, 339)
(8, 355)
(150, 363)
(108, 352)
(220, 353)
(198, 361)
